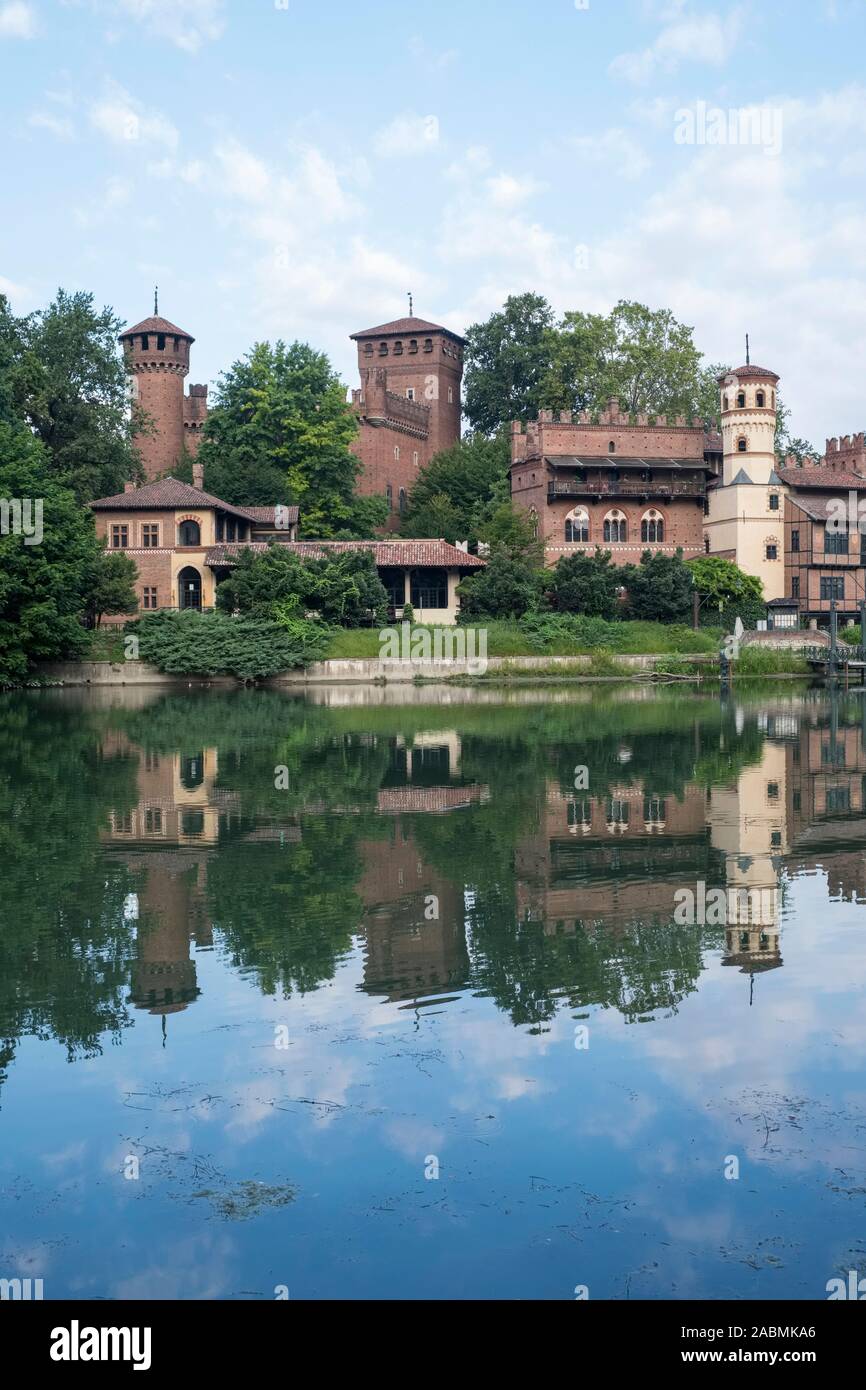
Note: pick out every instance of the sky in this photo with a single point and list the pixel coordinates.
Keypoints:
(293, 168)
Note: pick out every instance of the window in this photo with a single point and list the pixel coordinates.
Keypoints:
(149, 535)
(611, 448)
(429, 588)
(742, 446)
(145, 342)
(189, 533)
(413, 344)
(383, 349)
(153, 820)
(795, 586)
(795, 540)
(838, 798)
(148, 598)
(415, 458)
(772, 552)
(119, 536)
(760, 399)
(450, 395)
(652, 528)
(398, 349)
(706, 545)
(615, 528)
(577, 526)
(160, 342)
(654, 808)
(428, 344)
(410, 393)
(368, 349)
(725, 403)
(774, 501)
(835, 542)
(401, 501)
(389, 496)
(772, 791)
(741, 399)
(396, 453)
(617, 811)
(832, 586)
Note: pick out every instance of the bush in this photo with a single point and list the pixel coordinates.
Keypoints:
(659, 588)
(586, 584)
(343, 587)
(507, 587)
(212, 644)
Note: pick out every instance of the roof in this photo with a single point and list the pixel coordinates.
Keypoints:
(748, 372)
(816, 508)
(406, 326)
(268, 515)
(784, 603)
(827, 478)
(155, 324)
(617, 461)
(166, 494)
(741, 480)
(421, 554)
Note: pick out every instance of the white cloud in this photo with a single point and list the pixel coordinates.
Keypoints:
(685, 37)
(61, 126)
(116, 194)
(124, 120)
(17, 21)
(408, 134)
(614, 148)
(188, 24)
(506, 190)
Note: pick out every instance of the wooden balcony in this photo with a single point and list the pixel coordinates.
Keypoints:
(624, 487)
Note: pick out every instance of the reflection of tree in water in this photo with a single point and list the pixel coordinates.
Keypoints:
(65, 944)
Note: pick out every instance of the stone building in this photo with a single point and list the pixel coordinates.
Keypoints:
(626, 485)
(156, 353)
(408, 405)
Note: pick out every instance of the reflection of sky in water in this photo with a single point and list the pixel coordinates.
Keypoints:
(305, 1166)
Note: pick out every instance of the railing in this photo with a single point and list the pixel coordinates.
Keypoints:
(574, 487)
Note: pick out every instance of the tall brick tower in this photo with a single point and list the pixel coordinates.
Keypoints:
(157, 359)
(409, 405)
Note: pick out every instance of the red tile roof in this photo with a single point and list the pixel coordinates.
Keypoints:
(747, 373)
(422, 554)
(827, 478)
(166, 494)
(267, 515)
(156, 325)
(406, 327)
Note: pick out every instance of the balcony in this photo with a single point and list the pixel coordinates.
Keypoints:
(625, 487)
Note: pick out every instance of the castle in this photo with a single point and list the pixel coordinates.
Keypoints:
(156, 354)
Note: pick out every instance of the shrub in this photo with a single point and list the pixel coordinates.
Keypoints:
(213, 644)
(586, 584)
(343, 587)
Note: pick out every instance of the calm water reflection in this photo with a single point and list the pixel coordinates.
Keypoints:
(263, 958)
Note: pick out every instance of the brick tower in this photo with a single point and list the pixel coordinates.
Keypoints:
(157, 359)
(409, 405)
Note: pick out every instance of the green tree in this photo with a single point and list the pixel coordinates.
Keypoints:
(507, 587)
(586, 584)
(343, 588)
(111, 587)
(506, 361)
(45, 586)
(71, 386)
(457, 488)
(659, 589)
(727, 592)
(512, 530)
(280, 432)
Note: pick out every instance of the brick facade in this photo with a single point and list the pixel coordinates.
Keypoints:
(157, 358)
(408, 405)
(625, 486)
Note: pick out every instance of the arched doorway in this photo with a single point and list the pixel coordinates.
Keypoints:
(189, 588)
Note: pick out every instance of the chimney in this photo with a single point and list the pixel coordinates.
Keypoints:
(129, 487)
(198, 476)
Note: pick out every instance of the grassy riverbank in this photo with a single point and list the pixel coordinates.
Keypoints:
(507, 639)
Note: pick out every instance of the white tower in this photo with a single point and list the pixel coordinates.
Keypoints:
(745, 521)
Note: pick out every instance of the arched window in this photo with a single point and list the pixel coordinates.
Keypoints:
(615, 527)
(706, 545)
(741, 399)
(742, 446)
(724, 403)
(533, 519)
(577, 525)
(611, 448)
(189, 533)
(396, 453)
(652, 527)
(389, 496)
(760, 399)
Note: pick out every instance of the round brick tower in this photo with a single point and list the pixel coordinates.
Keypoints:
(157, 359)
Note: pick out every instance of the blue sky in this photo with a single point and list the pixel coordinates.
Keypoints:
(294, 169)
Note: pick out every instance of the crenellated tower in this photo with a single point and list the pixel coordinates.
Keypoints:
(156, 353)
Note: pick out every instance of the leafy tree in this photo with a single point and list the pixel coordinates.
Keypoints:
(71, 386)
(212, 644)
(45, 586)
(280, 432)
(342, 588)
(507, 358)
(111, 587)
(659, 589)
(507, 587)
(727, 592)
(586, 584)
(511, 530)
(455, 491)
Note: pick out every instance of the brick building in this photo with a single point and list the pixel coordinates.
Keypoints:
(408, 405)
(156, 353)
(823, 560)
(624, 485)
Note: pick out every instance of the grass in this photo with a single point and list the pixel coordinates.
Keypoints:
(506, 639)
(104, 644)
